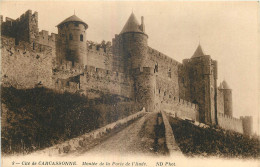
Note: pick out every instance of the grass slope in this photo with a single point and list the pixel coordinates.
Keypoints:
(38, 118)
(194, 140)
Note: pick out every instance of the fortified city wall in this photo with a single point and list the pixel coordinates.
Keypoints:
(28, 59)
(230, 123)
(95, 81)
(25, 66)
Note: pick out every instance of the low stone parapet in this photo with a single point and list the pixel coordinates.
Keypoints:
(171, 144)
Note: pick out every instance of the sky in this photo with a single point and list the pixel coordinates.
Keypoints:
(227, 31)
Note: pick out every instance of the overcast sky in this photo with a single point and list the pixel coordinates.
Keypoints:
(228, 31)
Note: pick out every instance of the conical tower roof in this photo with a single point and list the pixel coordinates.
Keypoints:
(73, 18)
(131, 25)
(225, 85)
(198, 52)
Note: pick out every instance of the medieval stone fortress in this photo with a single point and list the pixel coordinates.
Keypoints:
(126, 67)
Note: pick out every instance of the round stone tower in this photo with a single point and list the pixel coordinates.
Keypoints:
(134, 43)
(227, 92)
(144, 84)
(247, 122)
(72, 41)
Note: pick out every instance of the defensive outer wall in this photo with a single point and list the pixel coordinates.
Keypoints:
(126, 67)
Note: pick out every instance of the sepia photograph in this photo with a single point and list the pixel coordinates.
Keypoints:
(130, 83)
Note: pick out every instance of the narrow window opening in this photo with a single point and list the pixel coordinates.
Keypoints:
(70, 37)
(81, 37)
(169, 73)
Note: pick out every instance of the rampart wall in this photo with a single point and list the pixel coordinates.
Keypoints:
(99, 58)
(180, 108)
(94, 82)
(45, 39)
(25, 65)
(230, 123)
(24, 28)
(220, 102)
(63, 85)
(167, 72)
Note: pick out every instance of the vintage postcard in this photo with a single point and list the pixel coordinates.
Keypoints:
(129, 83)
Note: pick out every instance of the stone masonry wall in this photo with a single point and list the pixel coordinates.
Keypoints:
(24, 28)
(197, 84)
(171, 144)
(135, 50)
(24, 65)
(45, 39)
(220, 102)
(99, 58)
(180, 108)
(96, 81)
(230, 123)
(247, 122)
(119, 60)
(167, 72)
(144, 87)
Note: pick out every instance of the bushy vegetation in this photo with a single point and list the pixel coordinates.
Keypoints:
(194, 140)
(38, 118)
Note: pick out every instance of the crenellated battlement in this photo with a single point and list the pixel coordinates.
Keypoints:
(24, 28)
(91, 71)
(160, 55)
(128, 67)
(46, 39)
(228, 117)
(23, 17)
(97, 51)
(230, 123)
(24, 65)
(169, 99)
(246, 117)
(102, 48)
(183, 102)
(23, 46)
